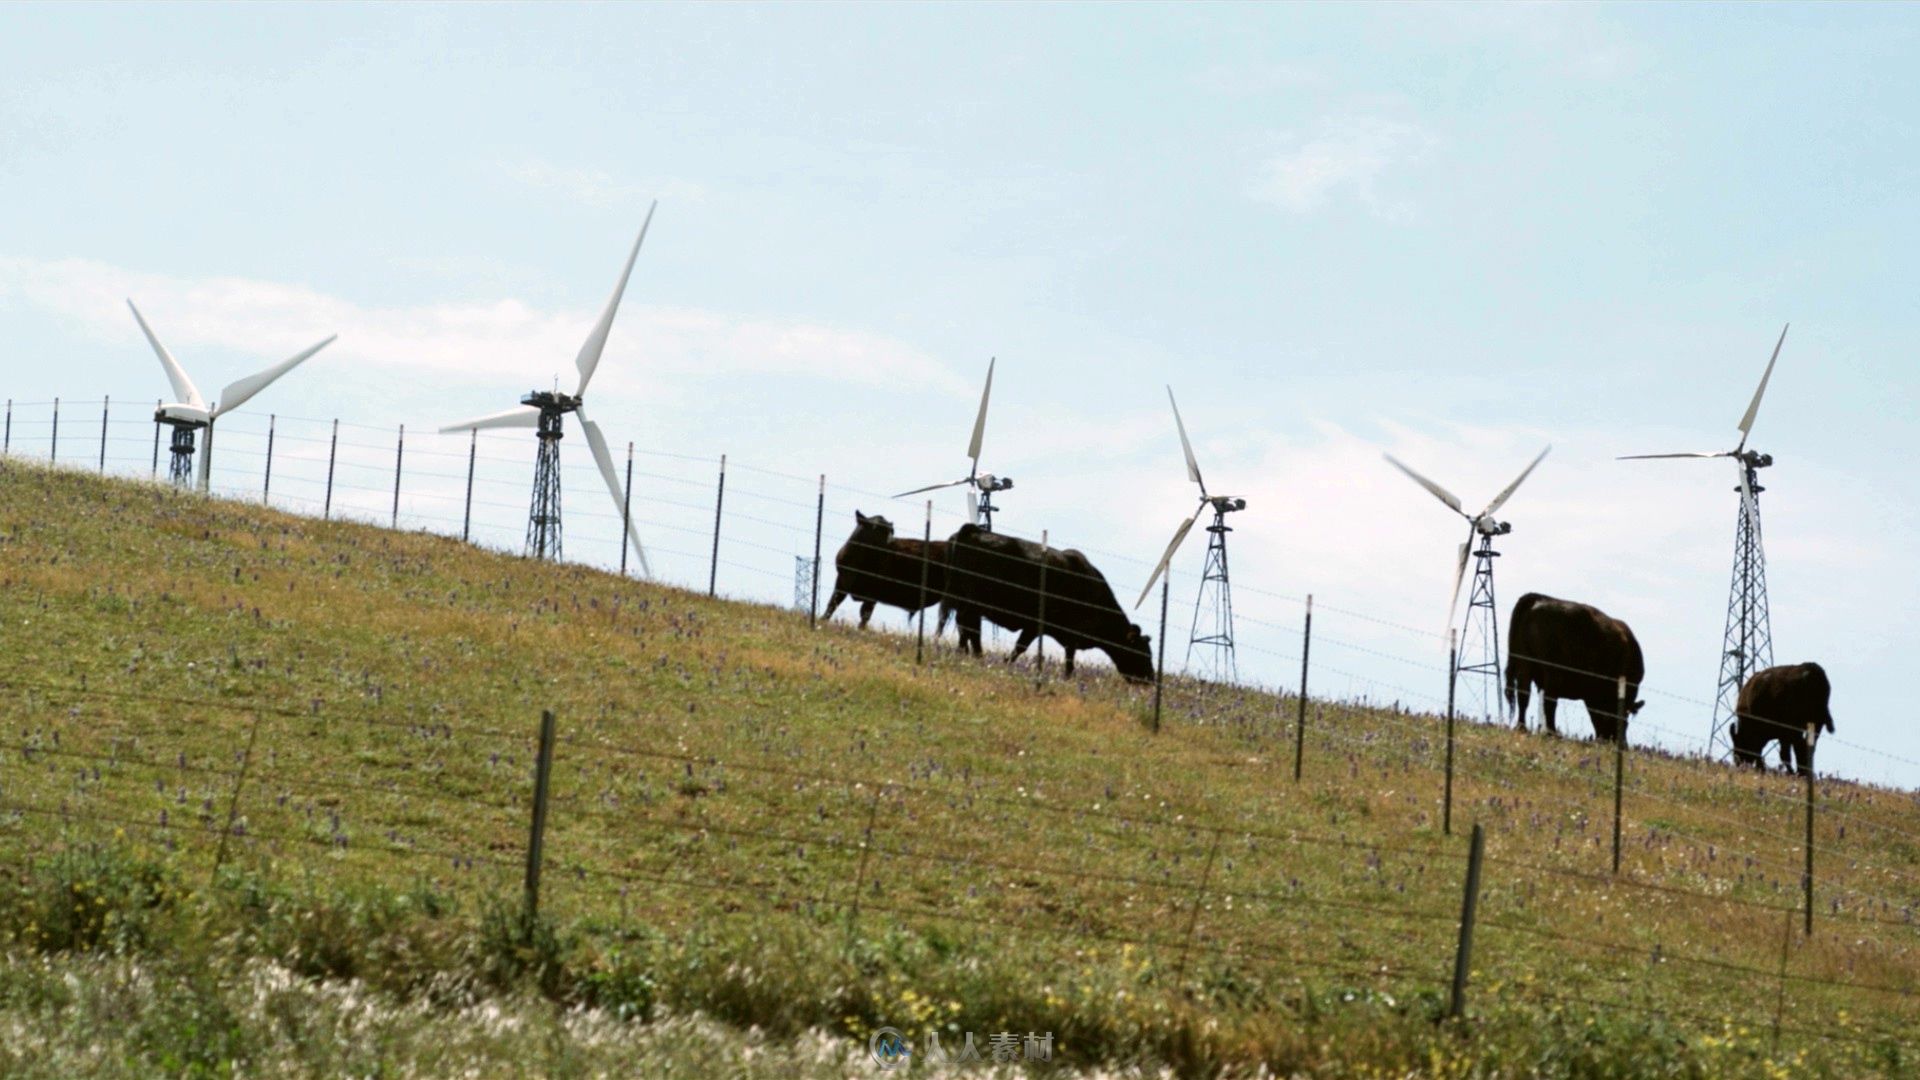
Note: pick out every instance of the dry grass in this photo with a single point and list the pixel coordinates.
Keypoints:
(722, 761)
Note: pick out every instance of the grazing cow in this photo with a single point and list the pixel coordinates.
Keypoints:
(875, 567)
(1001, 578)
(1572, 650)
(1788, 703)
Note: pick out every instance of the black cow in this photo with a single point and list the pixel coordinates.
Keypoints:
(1000, 577)
(1572, 650)
(1788, 703)
(875, 567)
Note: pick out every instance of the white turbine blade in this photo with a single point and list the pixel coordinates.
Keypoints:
(973, 505)
(238, 391)
(1439, 492)
(1193, 466)
(589, 358)
(1650, 457)
(601, 457)
(1753, 407)
(1501, 499)
(1179, 535)
(935, 487)
(522, 416)
(980, 420)
(1459, 575)
(183, 387)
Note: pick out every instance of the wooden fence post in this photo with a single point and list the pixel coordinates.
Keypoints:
(1619, 762)
(6, 441)
(156, 440)
(1806, 877)
(1463, 955)
(53, 452)
(537, 836)
(103, 432)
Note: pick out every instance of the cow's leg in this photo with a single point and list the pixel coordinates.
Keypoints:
(1549, 703)
(866, 612)
(940, 625)
(1067, 667)
(833, 602)
(966, 622)
(1522, 697)
(1019, 647)
(1792, 746)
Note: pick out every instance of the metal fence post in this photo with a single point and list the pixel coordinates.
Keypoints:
(1160, 664)
(1300, 720)
(53, 454)
(1040, 635)
(926, 551)
(399, 453)
(719, 500)
(1463, 955)
(1619, 761)
(266, 480)
(466, 508)
(104, 402)
(156, 439)
(1806, 877)
(626, 511)
(537, 836)
(819, 522)
(1453, 676)
(6, 442)
(333, 448)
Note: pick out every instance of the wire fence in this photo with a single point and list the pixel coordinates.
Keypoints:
(469, 813)
(668, 834)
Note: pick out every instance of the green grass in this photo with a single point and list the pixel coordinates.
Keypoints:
(766, 841)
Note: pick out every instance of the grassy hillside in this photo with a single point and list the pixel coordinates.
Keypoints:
(767, 841)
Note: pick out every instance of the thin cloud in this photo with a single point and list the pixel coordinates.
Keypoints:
(507, 337)
(1346, 156)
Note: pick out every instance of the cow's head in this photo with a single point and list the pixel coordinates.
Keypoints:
(871, 529)
(1132, 656)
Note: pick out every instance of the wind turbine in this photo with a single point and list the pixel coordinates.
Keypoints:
(192, 413)
(981, 486)
(1482, 615)
(544, 410)
(1214, 582)
(1747, 644)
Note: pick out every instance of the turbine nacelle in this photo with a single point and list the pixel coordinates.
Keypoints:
(182, 415)
(1226, 504)
(988, 482)
(1486, 526)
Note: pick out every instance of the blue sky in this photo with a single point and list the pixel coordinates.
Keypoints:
(1453, 232)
